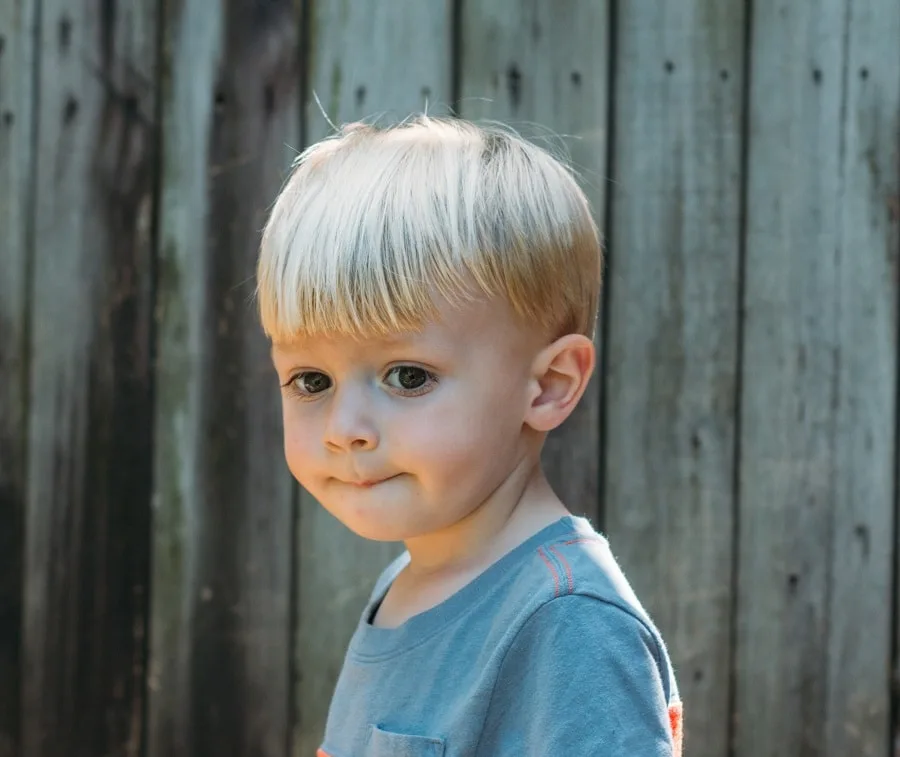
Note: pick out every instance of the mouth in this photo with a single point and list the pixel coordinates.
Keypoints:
(369, 483)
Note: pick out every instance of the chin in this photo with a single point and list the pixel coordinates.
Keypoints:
(370, 523)
(372, 531)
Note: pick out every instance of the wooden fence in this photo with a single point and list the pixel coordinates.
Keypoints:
(166, 591)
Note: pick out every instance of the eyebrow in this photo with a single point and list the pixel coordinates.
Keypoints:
(395, 340)
(392, 342)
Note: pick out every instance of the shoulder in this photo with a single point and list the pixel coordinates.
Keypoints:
(591, 637)
(585, 667)
(580, 563)
(582, 598)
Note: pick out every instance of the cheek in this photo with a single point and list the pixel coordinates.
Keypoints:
(299, 444)
(451, 439)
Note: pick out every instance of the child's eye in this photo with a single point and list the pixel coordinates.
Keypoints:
(409, 378)
(308, 383)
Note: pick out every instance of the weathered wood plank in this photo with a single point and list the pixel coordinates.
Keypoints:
(223, 498)
(222, 542)
(356, 72)
(90, 411)
(17, 65)
(530, 62)
(858, 705)
(356, 68)
(673, 334)
(819, 376)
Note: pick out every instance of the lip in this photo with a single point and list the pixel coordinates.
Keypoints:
(369, 483)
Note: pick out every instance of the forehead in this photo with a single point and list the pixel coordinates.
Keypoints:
(459, 329)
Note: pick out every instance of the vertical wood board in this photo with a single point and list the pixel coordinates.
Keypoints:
(17, 68)
(673, 334)
(817, 456)
(90, 382)
(858, 676)
(219, 674)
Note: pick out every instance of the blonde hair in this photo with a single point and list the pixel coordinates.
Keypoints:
(374, 223)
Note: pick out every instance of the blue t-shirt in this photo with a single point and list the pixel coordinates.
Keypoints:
(548, 652)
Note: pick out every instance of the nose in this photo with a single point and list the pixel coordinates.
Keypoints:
(350, 427)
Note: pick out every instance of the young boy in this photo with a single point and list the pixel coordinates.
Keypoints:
(430, 291)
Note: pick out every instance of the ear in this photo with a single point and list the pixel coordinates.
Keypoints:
(560, 375)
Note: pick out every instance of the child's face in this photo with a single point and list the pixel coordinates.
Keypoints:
(403, 437)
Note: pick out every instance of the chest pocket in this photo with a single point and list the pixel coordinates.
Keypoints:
(383, 743)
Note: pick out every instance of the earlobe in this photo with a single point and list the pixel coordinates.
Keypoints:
(562, 371)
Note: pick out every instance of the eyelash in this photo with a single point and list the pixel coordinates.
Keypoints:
(291, 385)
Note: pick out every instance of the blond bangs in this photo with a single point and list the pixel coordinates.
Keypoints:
(373, 225)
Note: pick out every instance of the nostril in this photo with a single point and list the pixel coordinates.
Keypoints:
(363, 442)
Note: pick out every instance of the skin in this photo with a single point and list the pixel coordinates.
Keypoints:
(433, 438)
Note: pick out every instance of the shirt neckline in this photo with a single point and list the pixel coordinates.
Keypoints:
(371, 643)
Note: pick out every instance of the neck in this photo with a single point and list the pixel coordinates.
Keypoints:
(520, 507)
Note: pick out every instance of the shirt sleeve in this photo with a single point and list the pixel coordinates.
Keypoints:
(582, 677)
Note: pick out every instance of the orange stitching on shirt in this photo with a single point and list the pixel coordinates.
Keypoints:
(567, 567)
(552, 570)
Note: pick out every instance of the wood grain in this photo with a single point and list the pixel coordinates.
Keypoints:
(219, 677)
(17, 69)
(819, 378)
(673, 334)
(88, 506)
(867, 209)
